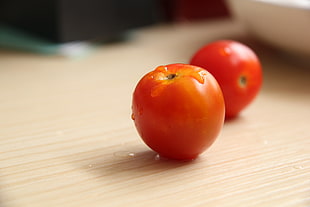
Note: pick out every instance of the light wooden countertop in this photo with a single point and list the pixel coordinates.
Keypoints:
(66, 137)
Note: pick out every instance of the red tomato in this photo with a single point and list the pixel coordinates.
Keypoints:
(178, 110)
(237, 70)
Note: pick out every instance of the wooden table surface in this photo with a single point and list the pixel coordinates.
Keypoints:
(66, 137)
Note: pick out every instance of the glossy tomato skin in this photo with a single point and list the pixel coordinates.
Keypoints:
(237, 70)
(178, 110)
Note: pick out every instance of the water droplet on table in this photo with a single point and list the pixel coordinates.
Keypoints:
(124, 154)
(157, 157)
(298, 167)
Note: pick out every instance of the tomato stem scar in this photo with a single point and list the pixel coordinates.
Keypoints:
(242, 81)
(171, 76)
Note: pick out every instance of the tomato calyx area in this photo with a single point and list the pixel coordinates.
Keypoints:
(171, 76)
(242, 81)
(168, 74)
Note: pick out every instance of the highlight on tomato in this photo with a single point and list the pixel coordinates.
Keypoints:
(236, 68)
(178, 110)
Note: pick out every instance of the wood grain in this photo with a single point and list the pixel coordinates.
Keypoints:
(66, 137)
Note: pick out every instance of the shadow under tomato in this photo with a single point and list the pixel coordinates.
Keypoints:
(135, 164)
(144, 162)
(236, 119)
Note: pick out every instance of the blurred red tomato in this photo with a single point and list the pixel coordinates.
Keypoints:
(237, 70)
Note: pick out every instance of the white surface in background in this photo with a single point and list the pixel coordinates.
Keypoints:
(284, 24)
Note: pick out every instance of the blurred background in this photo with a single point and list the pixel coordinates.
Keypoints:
(38, 25)
(71, 20)
(44, 26)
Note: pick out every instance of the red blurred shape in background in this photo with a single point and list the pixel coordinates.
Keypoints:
(192, 10)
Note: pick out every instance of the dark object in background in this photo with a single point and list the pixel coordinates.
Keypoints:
(72, 20)
(76, 20)
(193, 10)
